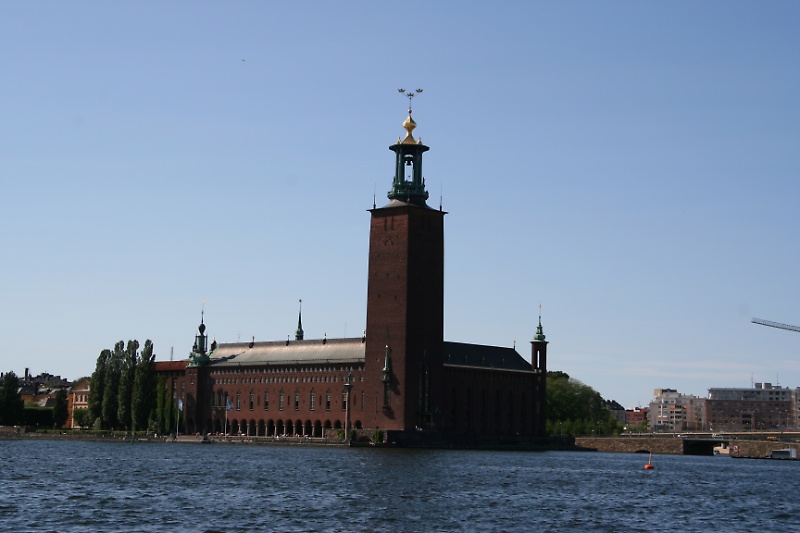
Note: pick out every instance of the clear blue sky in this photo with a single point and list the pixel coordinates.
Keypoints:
(631, 166)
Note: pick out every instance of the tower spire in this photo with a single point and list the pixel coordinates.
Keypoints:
(298, 335)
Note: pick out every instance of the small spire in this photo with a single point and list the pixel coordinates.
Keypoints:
(299, 333)
(539, 337)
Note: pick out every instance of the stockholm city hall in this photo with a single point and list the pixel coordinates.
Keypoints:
(401, 377)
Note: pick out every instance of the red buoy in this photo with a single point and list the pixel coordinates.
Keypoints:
(650, 465)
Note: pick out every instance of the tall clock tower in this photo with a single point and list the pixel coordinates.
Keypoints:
(405, 300)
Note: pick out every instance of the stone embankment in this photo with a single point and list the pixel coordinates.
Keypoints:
(760, 449)
(756, 449)
(661, 445)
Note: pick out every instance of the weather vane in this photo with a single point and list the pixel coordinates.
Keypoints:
(409, 95)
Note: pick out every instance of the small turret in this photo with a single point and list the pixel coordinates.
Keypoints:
(199, 356)
(387, 369)
(539, 349)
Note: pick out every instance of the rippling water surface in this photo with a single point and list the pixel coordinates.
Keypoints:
(88, 486)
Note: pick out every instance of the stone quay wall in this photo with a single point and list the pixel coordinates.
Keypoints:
(760, 449)
(659, 445)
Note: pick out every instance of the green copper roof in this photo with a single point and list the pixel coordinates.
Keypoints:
(408, 184)
(539, 337)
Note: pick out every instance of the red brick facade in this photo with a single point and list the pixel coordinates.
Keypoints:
(405, 315)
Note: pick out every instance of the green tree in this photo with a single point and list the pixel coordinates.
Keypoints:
(574, 408)
(162, 419)
(97, 386)
(11, 405)
(111, 387)
(127, 375)
(144, 388)
(60, 411)
(81, 417)
(170, 411)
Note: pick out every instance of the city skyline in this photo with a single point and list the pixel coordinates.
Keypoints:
(631, 168)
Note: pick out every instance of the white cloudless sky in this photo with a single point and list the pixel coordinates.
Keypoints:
(632, 167)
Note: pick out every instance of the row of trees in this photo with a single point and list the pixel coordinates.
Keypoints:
(123, 386)
(574, 408)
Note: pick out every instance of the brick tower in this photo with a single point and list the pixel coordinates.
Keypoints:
(405, 300)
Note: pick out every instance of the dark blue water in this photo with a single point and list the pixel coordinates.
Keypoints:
(85, 486)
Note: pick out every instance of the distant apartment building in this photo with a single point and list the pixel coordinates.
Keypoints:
(637, 417)
(672, 411)
(763, 407)
(617, 411)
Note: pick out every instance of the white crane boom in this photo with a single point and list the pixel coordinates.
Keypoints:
(775, 324)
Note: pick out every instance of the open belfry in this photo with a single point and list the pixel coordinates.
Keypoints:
(400, 382)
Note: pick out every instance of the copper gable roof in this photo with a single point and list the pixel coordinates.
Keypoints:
(171, 366)
(289, 352)
(479, 355)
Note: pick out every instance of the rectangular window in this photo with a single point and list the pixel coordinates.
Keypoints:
(238, 401)
(312, 400)
(327, 401)
(344, 401)
(266, 401)
(296, 401)
(280, 402)
(252, 400)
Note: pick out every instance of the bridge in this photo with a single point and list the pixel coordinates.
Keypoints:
(745, 445)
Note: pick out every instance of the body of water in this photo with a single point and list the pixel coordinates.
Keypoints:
(90, 486)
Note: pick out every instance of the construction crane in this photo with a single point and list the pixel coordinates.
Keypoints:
(775, 324)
